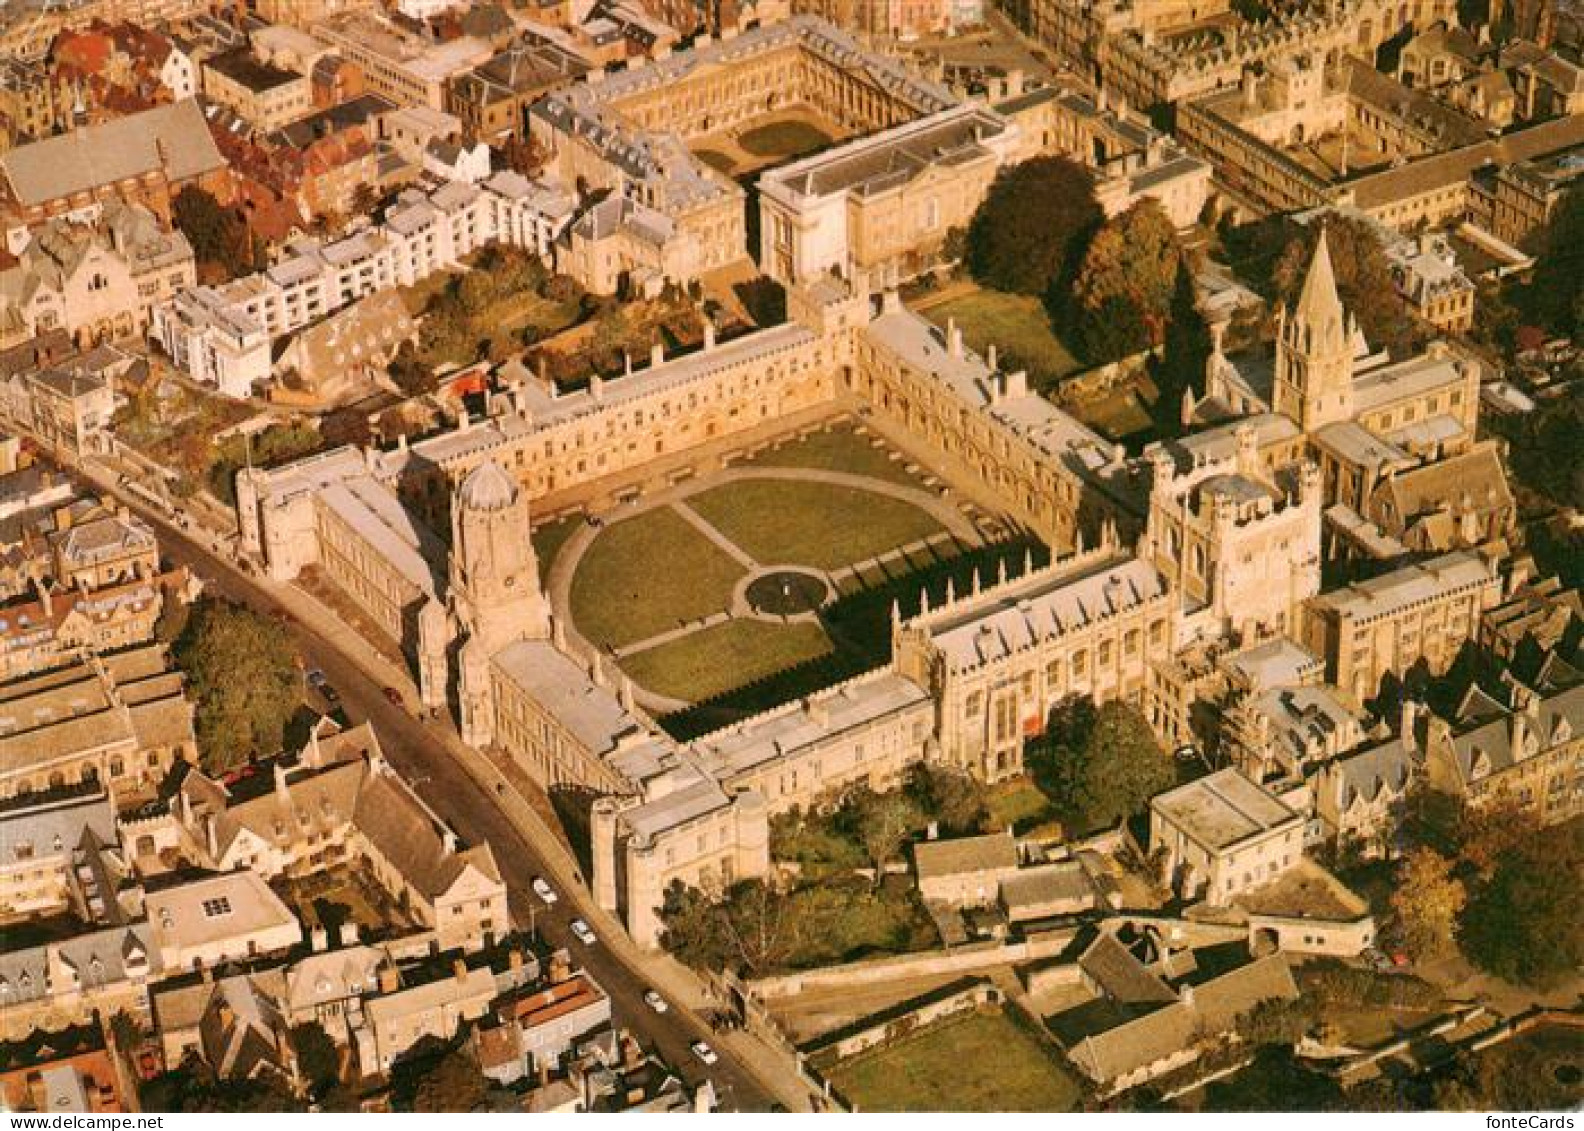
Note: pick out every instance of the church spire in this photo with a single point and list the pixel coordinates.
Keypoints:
(1319, 301)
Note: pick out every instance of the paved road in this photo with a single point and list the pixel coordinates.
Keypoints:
(422, 758)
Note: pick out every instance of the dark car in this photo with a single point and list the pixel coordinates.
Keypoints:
(395, 697)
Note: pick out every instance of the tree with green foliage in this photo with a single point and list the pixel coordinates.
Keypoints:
(274, 445)
(1277, 1021)
(1111, 773)
(1029, 231)
(451, 1083)
(1123, 293)
(1556, 295)
(318, 1059)
(217, 234)
(958, 800)
(882, 823)
(749, 927)
(1523, 923)
(691, 927)
(1363, 277)
(242, 674)
(1274, 1081)
(1543, 447)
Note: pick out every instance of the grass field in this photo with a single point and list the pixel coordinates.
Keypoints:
(1016, 325)
(837, 448)
(783, 139)
(647, 574)
(549, 538)
(979, 1062)
(812, 524)
(724, 657)
(715, 159)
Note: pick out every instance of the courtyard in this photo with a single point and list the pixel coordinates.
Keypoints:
(980, 1061)
(774, 140)
(721, 582)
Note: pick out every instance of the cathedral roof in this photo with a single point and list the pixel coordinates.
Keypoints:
(487, 488)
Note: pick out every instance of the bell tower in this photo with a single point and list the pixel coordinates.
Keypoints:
(495, 588)
(496, 598)
(1314, 350)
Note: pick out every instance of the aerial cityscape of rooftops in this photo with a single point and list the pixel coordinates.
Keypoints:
(791, 555)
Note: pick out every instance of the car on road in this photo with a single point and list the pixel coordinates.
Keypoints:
(584, 933)
(655, 1002)
(702, 1050)
(543, 890)
(394, 696)
(316, 678)
(330, 693)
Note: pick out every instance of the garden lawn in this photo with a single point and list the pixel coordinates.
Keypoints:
(1016, 325)
(647, 574)
(783, 139)
(549, 538)
(838, 448)
(820, 525)
(724, 657)
(984, 1061)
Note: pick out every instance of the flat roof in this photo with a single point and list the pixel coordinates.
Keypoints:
(1223, 810)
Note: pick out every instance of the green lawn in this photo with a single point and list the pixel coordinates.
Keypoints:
(983, 1061)
(520, 309)
(549, 538)
(783, 139)
(837, 448)
(1017, 326)
(1019, 805)
(715, 159)
(813, 524)
(647, 574)
(724, 657)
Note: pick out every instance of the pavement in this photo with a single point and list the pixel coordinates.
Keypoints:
(482, 804)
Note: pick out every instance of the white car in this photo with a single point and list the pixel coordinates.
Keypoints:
(655, 1002)
(704, 1052)
(584, 933)
(543, 890)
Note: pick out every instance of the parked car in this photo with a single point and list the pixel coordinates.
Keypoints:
(395, 697)
(704, 1052)
(584, 933)
(316, 678)
(655, 1002)
(543, 890)
(331, 695)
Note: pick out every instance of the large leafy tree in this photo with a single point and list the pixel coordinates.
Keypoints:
(1122, 295)
(1557, 295)
(1426, 902)
(1028, 232)
(1523, 923)
(453, 1082)
(217, 234)
(882, 823)
(959, 801)
(242, 672)
(750, 926)
(1113, 773)
(1363, 278)
(318, 1059)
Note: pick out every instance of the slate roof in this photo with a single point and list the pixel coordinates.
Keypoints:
(174, 138)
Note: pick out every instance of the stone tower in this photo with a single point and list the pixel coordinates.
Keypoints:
(496, 598)
(1314, 350)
